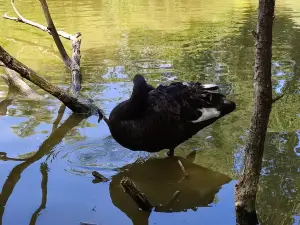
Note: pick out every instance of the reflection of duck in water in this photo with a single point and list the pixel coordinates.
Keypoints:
(159, 180)
(162, 118)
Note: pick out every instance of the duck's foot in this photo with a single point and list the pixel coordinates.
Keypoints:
(170, 152)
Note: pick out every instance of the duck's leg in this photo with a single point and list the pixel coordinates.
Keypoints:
(170, 152)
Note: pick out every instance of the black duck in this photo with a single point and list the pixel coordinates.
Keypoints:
(153, 119)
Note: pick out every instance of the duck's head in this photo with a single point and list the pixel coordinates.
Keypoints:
(140, 89)
(140, 85)
(223, 105)
(227, 106)
(217, 101)
(139, 80)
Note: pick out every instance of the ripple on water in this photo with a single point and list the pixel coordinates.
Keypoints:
(104, 155)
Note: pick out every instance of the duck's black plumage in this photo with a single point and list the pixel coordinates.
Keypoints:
(160, 118)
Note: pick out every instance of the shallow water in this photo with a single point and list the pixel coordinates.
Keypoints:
(50, 164)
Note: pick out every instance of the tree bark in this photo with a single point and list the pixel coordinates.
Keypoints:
(75, 65)
(247, 187)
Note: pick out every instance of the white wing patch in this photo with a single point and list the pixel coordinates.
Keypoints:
(210, 86)
(207, 113)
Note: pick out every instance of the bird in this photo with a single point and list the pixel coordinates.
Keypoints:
(154, 119)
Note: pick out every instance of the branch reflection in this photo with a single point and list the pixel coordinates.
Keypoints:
(15, 174)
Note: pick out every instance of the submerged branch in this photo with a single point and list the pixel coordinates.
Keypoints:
(183, 169)
(13, 80)
(99, 177)
(139, 197)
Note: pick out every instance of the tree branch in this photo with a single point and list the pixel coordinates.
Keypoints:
(12, 79)
(277, 98)
(39, 26)
(68, 99)
(74, 63)
(99, 177)
(254, 34)
(54, 34)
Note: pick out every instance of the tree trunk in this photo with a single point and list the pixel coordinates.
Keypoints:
(246, 189)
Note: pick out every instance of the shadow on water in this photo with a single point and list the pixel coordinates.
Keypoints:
(159, 179)
(14, 176)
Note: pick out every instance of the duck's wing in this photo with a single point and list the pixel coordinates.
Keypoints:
(191, 102)
(150, 87)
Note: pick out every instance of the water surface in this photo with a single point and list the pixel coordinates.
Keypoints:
(51, 153)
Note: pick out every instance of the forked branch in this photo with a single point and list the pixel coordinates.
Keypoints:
(72, 63)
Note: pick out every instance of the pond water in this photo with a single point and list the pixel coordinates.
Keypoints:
(51, 153)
